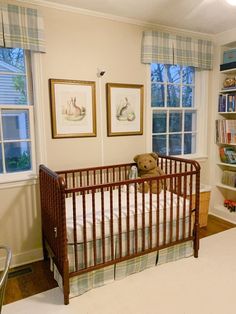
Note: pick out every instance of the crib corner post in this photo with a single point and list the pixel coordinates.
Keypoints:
(196, 240)
(66, 298)
(66, 283)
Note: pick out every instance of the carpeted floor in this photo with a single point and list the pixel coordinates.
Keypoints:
(206, 285)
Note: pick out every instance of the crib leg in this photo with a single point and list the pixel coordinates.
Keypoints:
(66, 283)
(45, 251)
(66, 298)
(66, 292)
(196, 240)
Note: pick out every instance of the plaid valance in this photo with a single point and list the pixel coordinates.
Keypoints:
(21, 27)
(160, 47)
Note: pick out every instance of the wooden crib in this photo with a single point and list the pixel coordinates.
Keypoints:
(99, 214)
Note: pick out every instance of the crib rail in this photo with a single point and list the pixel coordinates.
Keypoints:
(121, 227)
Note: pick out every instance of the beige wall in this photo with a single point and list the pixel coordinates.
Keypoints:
(76, 46)
(20, 223)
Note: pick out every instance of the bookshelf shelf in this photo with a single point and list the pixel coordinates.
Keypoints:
(229, 71)
(226, 144)
(224, 164)
(227, 113)
(223, 212)
(226, 187)
(228, 90)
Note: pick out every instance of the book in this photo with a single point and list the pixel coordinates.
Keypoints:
(226, 131)
(229, 178)
(227, 155)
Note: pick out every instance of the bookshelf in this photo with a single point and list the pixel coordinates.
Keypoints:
(225, 139)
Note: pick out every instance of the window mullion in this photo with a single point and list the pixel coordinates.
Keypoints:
(167, 132)
(2, 143)
(182, 141)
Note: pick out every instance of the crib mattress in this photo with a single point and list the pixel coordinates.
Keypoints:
(180, 209)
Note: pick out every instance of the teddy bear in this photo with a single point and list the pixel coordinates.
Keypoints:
(147, 167)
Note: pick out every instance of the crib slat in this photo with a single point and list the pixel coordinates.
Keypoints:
(150, 215)
(184, 208)
(158, 215)
(101, 181)
(111, 223)
(171, 209)
(85, 232)
(164, 222)
(80, 178)
(75, 230)
(177, 211)
(136, 217)
(94, 177)
(190, 202)
(143, 217)
(103, 227)
(73, 179)
(94, 228)
(120, 221)
(88, 183)
(128, 221)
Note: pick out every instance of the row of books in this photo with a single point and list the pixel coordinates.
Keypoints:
(227, 155)
(227, 103)
(226, 131)
(229, 178)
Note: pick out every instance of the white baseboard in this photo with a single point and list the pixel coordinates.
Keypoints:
(23, 258)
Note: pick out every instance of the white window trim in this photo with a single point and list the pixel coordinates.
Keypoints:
(37, 132)
(201, 94)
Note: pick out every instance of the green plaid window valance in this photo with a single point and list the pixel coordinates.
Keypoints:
(21, 27)
(160, 47)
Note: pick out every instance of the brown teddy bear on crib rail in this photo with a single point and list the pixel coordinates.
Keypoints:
(147, 167)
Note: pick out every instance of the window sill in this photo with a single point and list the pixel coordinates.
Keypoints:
(193, 157)
(16, 180)
(197, 157)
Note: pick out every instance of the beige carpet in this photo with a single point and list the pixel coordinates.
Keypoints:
(206, 285)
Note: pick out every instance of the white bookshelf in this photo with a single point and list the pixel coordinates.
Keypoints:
(226, 187)
(221, 191)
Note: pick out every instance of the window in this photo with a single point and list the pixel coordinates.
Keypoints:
(16, 114)
(174, 113)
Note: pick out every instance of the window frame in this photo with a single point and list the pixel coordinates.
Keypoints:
(29, 174)
(201, 107)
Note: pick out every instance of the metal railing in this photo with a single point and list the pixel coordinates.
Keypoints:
(4, 274)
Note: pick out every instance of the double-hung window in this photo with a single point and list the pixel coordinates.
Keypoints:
(174, 109)
(16, 115)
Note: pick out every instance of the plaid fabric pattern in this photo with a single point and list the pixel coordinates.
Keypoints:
(82, 283)
(90, 253)
(135, 265)
(159, 47)
(176, 252)
(22, 27)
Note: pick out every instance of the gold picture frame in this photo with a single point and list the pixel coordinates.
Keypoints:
(73, 108)
(124, 109)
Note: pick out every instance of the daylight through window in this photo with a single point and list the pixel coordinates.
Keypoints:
(174, 114)
(15, 113)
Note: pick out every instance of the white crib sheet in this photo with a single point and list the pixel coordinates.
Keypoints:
(177, 201)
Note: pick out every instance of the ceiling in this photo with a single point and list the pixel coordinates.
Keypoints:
(205, 16)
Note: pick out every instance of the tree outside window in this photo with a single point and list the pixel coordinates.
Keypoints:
(173, 109)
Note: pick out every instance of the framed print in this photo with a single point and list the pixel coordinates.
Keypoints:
(73, 108)
(124, 109)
